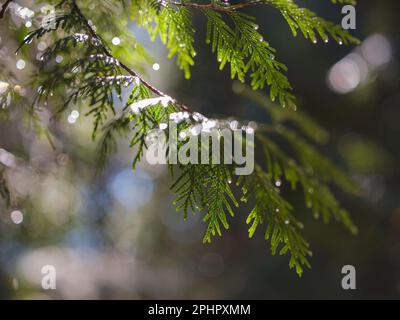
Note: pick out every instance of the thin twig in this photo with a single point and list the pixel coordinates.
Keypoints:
(4, 8)
(216, 7)
(132, 72)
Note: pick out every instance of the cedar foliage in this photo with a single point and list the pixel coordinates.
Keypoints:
(94, 76)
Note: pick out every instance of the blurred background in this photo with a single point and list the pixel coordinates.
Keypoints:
(116, 235)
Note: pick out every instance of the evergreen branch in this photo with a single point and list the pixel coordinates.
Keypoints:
(147, 117)
(352, 2)
(5, 193)
(108, 142)
(174, 27)
(106, 51)
(219, 199)
(4, 8)
(282, 227)
(215, 6)
(229, 8)
(308, 126)
(189, 189)
(264, 68)
(247, 52)
(104, 69)
(69, 21)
